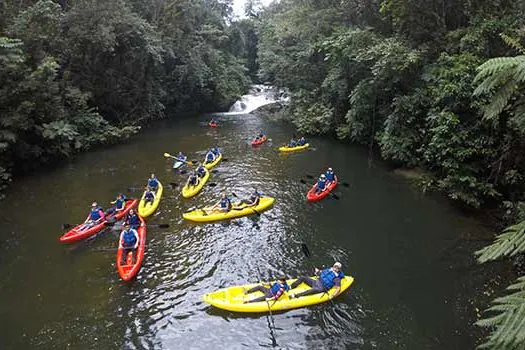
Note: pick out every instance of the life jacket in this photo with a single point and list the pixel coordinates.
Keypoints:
(328, 276)
(120, 204)
(277, 286)
(149, 195)
(133, 219)
(201, 171)
(225, 203)
(95, 213)
(153, 182)
(293, 143)
(129, 239)
(330, 175)
(321, 184)
(182, 156)
(254, 199)
(301, 142)
(210, 157)
(193, 179)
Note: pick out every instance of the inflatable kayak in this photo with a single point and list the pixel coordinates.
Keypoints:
(146, 209)
(132, 265)
(189, 191)
(82, 231)
(292, 149)
(213, 125)
(311, 196)
(260, 141)
(214, 163)
(178, 164)
(206, 215)
(232, 299)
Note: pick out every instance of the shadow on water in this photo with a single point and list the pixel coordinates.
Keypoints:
(415, 287)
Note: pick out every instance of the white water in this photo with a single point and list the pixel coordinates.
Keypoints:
(258, 96)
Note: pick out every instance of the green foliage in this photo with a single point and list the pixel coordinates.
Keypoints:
(508, 319)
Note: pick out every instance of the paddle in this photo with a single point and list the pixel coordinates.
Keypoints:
(115, 226)
(253, 209)
(306, 253)
(345, 184)
(167, 155)
(267, 302)
(109, 220)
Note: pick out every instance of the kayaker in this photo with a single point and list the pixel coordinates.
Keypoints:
(292, 143)
(328, 279)
(330, 175)
(216, 151)
(321, 184)
(253, 200)
(301, 142)
(153, 182)
(201, 171)
(210, 156)
(224, 204)
(96, 214)
(149, 196)
(181, 157)
(273, 293)
(129, 241)
(132, 219)
(120, 204)
(193, 179)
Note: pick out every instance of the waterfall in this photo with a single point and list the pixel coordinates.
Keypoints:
(258, 96)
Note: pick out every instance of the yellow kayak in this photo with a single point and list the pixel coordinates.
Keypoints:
(232, 299)
(189, 191)
(206, 215)
(214, 163)
(292, 149)
(146, 209)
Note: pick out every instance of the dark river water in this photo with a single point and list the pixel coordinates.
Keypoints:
(416, 286)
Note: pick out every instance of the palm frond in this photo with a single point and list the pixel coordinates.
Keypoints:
(509, 322)
(509, 243)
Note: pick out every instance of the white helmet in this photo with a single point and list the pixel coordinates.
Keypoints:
(323, 176)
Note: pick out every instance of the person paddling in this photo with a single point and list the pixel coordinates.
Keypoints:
(201, 171)
(301, 142)
(129, 241)
(253, 200)
(330, 175)
(328, 279)
(132, 219)
(96, 214)
(153, 182)
(321, 184)
(210, 156)
(120, 204)
(193, 179)
(181, 157)
(223, 205)
(149, 196)
(292, 143)
(273, 293)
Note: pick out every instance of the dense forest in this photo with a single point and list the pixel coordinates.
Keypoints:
(437, 86)
(80, 73)
(433, 85)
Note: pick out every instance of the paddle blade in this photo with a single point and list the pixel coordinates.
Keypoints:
(214, 171)
(334, 196)
(310, 176)
(302, 181)
(213, 184)
(66, 226)
(174, 184)
(164, 225)
(235, 195)
(345, 184)
(167, 155)
(305, 250)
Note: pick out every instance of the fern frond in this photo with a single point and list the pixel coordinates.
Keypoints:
(509, 243)
(499, 100)
(512, 42)
(496, 65)
(520, 70)
(509, 323)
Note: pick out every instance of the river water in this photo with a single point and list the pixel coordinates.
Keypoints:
(416, 286)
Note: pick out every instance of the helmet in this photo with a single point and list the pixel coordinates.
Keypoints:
(329, 169)
(338, 265)
(94, 204)
(323, 176)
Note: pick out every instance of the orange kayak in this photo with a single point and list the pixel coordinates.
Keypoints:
(132, 264)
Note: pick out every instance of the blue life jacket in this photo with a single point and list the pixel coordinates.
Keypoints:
(149, 195)
(330, 176)
(215, 151)
(181, 156)
(321, 184)
(328, 276)
(254, 199)
(95, 214)
(277, 285)
(121, 203)
(225, 203)
(201, 171)
(293, 143)
(193, 179)
(153, 183)
(129, 238)
(133, 220)
(301, 142)
(210, 157)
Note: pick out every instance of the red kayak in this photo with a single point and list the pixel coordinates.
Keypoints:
(82, 231)
(314, 197)
(213, 125)
(260, 141)
(132, 266)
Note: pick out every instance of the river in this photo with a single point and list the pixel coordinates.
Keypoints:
(416, 286)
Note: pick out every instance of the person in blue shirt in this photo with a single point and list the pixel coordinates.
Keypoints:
(275, 291)
(153, 182)
(96, 215)
(216, 151)
(181, 157)
(120, 204)
(201, 171)
(223, 205)
(193, 179)
(253, 200)
(301, 142)
(330, 175)
(132, 219)
(321, 184)
(210, 156)
(292, 143)
(328, 279)
(149, 196)
(129, 241)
